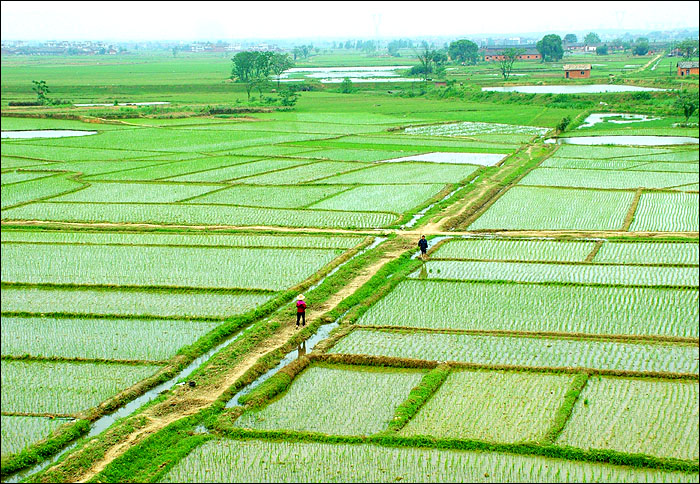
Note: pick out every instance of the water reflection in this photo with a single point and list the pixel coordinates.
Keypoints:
(301, 350)
(423, 272)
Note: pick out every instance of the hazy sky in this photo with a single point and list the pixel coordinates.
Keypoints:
(100, 20)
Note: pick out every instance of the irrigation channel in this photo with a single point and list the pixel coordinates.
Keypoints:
(104, 422)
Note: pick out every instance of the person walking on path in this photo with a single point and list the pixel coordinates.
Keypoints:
(301, 310)
(423, 244)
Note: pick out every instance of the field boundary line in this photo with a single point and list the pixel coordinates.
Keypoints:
(594, 251)
(625, 338)
(36, 414)
(229, 430)
(631, 211)
(562, 415)
(78, 359)
(396, 362)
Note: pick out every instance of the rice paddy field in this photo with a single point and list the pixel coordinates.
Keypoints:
(551, 334)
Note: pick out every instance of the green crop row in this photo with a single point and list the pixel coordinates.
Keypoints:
(556, 209)
(164, 266)
(531, 352)
(218, 239)
(610, 274)
(195, 214)
(90, 338)
(536, 307)
(65, 388)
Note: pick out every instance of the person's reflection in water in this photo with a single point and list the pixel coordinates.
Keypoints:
(301, 350)
(423, 272)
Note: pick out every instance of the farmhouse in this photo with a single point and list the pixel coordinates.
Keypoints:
(577, 71)
(497, 55)
(687, 68)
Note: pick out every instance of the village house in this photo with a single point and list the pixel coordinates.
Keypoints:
(687, 68)
(577, 71)
(491, 55)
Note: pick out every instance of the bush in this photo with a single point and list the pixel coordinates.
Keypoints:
(24, 103)
(563, 123)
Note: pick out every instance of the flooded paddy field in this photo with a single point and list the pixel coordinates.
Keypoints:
(158, 262)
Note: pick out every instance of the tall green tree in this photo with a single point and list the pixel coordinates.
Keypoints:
(463, 51)
(253, 69)
(41, 90)
(393, 48)
(570, 38)
(426, 57)
(687, 102)
(280, 63)
(591, 38)
(550, 48)
(641, 47)
(689, 48)
(509, 57)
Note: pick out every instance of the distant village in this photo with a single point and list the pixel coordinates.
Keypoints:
(490, 48)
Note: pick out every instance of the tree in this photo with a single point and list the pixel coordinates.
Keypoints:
(252, 68)
(550, 48)
(687, 101)
(509, 57)
(175, 51)
(426, 57)
(346, 86)
(41, 90)
(280, 63)
(591, 38)
(463, 51)
(641, 47)
(288, 97)
(570, 38)
(393, 48)
(689, 47)
(602, 50)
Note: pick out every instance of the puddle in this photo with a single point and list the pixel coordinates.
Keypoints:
(482, 159)
(154, 103)
(45, 133)
(360, 80)
(334, 75)
(596, 118)
(345, 69)
(106, 421)
(625, 140)
(581, 89)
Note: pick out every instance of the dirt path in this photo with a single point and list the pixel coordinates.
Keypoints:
(186, 401)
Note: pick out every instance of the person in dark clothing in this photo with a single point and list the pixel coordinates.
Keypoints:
(301, 310)
(423, 244)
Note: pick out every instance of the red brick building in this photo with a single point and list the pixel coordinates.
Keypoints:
(687, 68)
(577, 71)
(491, 55)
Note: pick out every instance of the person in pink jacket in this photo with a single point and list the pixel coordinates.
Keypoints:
(301, 310)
